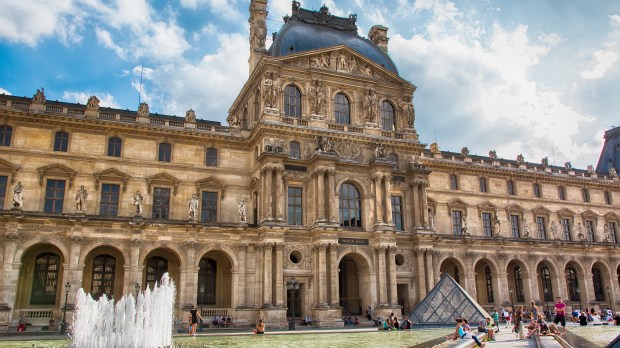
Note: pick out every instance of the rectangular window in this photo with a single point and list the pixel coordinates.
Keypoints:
(115, 145)
(397, 212)
(585, 195)
(209, 207)
(511, 187)
(487, 230)
(541, 224)
(454, 183)
(165, 152)
(211, 157)
(613, 236)
(457, 222)
(483, 185)
(3, 183)
(590, 230)
(5, 135)
(61, 141)
(295, 206)
(54, 196)
(109, 200)
(161, 203)
(515, 226)
(607, 197)
(566, 229)
(562, 193)
(536, 190)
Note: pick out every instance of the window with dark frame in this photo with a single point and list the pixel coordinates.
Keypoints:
(350, 206)
(536, 189)
(607, 197)
(45, 279)
(487, 228)
(489, 282)
(573, 284)
(518, 278)
(61, 141)
(565, 228)
(457, 222)
(161, 203)
(342, 111)
(109, 200)
(3, 185)
(6, 132)
(295, 150)
(394, 160)
(545, 276)
(292, 101)
(585, 195)
(597, 282)
(211, 157)
(541, 225)
(208, 208)
(165, 152)
(590, 230)
(115, 145)
(562, 193)
(397, 212)
(54, 196)
(207, 276)
(515, 226)
(104, 268)
(156, 266)
(454, 182)
(387, 116)
(511, 188)
(613, 235)
(483, 185)
(295, 206)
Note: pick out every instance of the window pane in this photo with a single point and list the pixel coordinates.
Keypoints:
(165, 151)
(161, 203)
(457, 222)
(397, 212)
(542, 227)
(109, 200)
(486, 225)
(3, 185)
(61, 141)
(454, 184)
(537, 190)
(104, 267)
(387, 116)
(54, 196)
(350, 211)
(341, 109)
(211, 160)
(155, 269)
(295, 150)
(292, 101)
(114, 147)
(209, 207)
(5, 135)
(566, 229)
(295, 207)
(515, 226)
(45, 279)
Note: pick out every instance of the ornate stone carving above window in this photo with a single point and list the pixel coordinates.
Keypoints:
(541, 211)
(56, 170)
(111, 174)
(487, 207)
(9, 168)
(457, 204)
(213, 184)
(162, 179)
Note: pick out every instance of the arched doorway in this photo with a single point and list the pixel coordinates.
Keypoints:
(573, 285)
(40, 282)
(518, 278)
(349, 287)
(156, 263)
(104, 272)
(547, 287)
(453, 268)
(599, 275)
(215, 280)
(486, 286)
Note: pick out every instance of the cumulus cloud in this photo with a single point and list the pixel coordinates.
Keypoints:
(605, 58)
(4, 91)
(28, 21)
(225, 8)
(105, 99)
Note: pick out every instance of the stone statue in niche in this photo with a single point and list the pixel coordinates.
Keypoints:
(317, 98)
(271, 88)
(258, 35)
(612, 172)
(496, 226)
(464, 226)
(520, 159)
(408, 111)
(325, 144)
(80, 200)
(492, 154)
(580, 234)
(39, 96)
(92, 103)
(431, 219)
(343, 64)
(190, 116)
(370, 103)
(18, 196)
(465, 152)
(526, 229)
(192, 208)
(137, 201)
(143, 110)
(242, 211)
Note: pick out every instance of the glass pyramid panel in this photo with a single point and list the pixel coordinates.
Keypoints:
(446, 302)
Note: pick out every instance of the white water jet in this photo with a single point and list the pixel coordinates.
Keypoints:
(145, 322)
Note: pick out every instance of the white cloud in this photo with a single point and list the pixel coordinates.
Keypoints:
(603, 61)
(105, 99)
(104, 37)
(27, 21)
(227, 9)
(4, 91)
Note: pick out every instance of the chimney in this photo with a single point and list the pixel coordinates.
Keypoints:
(378, 35)
(258, 31)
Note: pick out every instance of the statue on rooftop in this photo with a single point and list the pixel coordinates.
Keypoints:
(545, 162)
(493, 154)
(434, 147)
(612, 172)
(92, 103)
(39, 97)
(190, 116)
(590, 169)
(143, 110)
(520, 159)
(568, 166)
(465, 152)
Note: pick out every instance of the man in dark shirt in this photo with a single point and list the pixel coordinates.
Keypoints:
(617, 319)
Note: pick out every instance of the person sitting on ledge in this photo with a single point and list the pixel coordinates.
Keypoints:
(52, 325)
(260, 327)
(356, 321)
(21, 325)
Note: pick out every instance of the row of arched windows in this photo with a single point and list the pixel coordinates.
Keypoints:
(341, 108)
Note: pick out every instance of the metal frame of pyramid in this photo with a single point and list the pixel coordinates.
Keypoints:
(446, 302)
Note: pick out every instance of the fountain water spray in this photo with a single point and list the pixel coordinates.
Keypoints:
(142, 322)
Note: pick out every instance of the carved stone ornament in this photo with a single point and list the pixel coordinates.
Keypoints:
(80, 200)
(348, 150)
(520, 159)
(270, 90)
(612, 172)
(317, 98)
(493, 154)
(568, 166)
(545, 162)
(407, 111)
(379, 151)
(434, 148)
(590, 169)
(325, 144)
(143, 110)
(465, 152)
(18, 196)
(92, 103)
(39, 96)
(370, 101)
(190, 116)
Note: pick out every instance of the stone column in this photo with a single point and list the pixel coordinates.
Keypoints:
(381, 275)
(391, 267)
(241, 283)
(134, 266)
(409, 206)
(378, 204)
(262, 207)
(322, 286)
(249, 276)
(388, 200)
(333, 276)
(430, 276)
(320, 195)
(267, 274)
(420, 274)
(279, 197)
(74, 266)
(586, 288)
(279, 281)
(331, 197)
(191, 273)
(416, 205)
(269, 193)
(424, 204)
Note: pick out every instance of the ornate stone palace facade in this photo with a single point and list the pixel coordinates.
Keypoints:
(319, 176)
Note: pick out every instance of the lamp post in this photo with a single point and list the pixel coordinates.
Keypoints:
(137, 287)
(292, 285)
(609, 299)
(202, 298)
(547, 314)
(63, 325)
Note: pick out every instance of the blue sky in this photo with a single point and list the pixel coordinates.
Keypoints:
(530, 76)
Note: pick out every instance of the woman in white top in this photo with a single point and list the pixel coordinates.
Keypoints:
(596, 319)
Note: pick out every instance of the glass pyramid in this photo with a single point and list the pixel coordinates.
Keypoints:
(446, 302)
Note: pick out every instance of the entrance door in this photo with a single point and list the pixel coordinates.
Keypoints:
(350, 299)
(289, 302)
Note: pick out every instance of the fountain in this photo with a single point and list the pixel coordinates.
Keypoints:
(144, 321)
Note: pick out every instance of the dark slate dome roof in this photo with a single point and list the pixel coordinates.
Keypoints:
(308, 30)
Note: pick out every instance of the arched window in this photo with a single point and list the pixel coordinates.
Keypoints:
(489, 282)
(295, 150)
(545, 277)
(573, 284)
(115, 145)
(350, 206)
(6, 132)
(292, 101)
(45, 279)
(342, 112)
(518, 276)
(597, 281)
(165, 152)
(457, 276)
(156, 266)
(61, 141)
(207, 276)
(102, 282)
(387, 116)
(211, 157)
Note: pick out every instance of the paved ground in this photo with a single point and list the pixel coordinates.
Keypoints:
(505, 338)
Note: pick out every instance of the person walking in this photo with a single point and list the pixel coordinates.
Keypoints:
(518, 320)
(495, 317)
(560, 313)
(534, 310)
(195, 315)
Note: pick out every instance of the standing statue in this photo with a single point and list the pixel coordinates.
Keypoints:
(137, 201)
(493, 154)
(408, 111)
(370, 103)
(190, 116)
(92, 103)
(143, 110)
(464, 226)
(18, 195)
(317, 98)
(431, 219)
(80, 200)
(613, 172)
(192, 207)
(325, 144)
(242, 211)
(271, 88)
(39, 97)
(520, 159)
(497, 228)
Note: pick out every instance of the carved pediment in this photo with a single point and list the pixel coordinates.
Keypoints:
(8, 167)
(540, 210)
(566, 212)
(589, 214)
(457, 204)
(111, 174)
(611, 217)
(162, 179)
(211, 182)
(514, 208)
(57, 170)
(486, 206)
